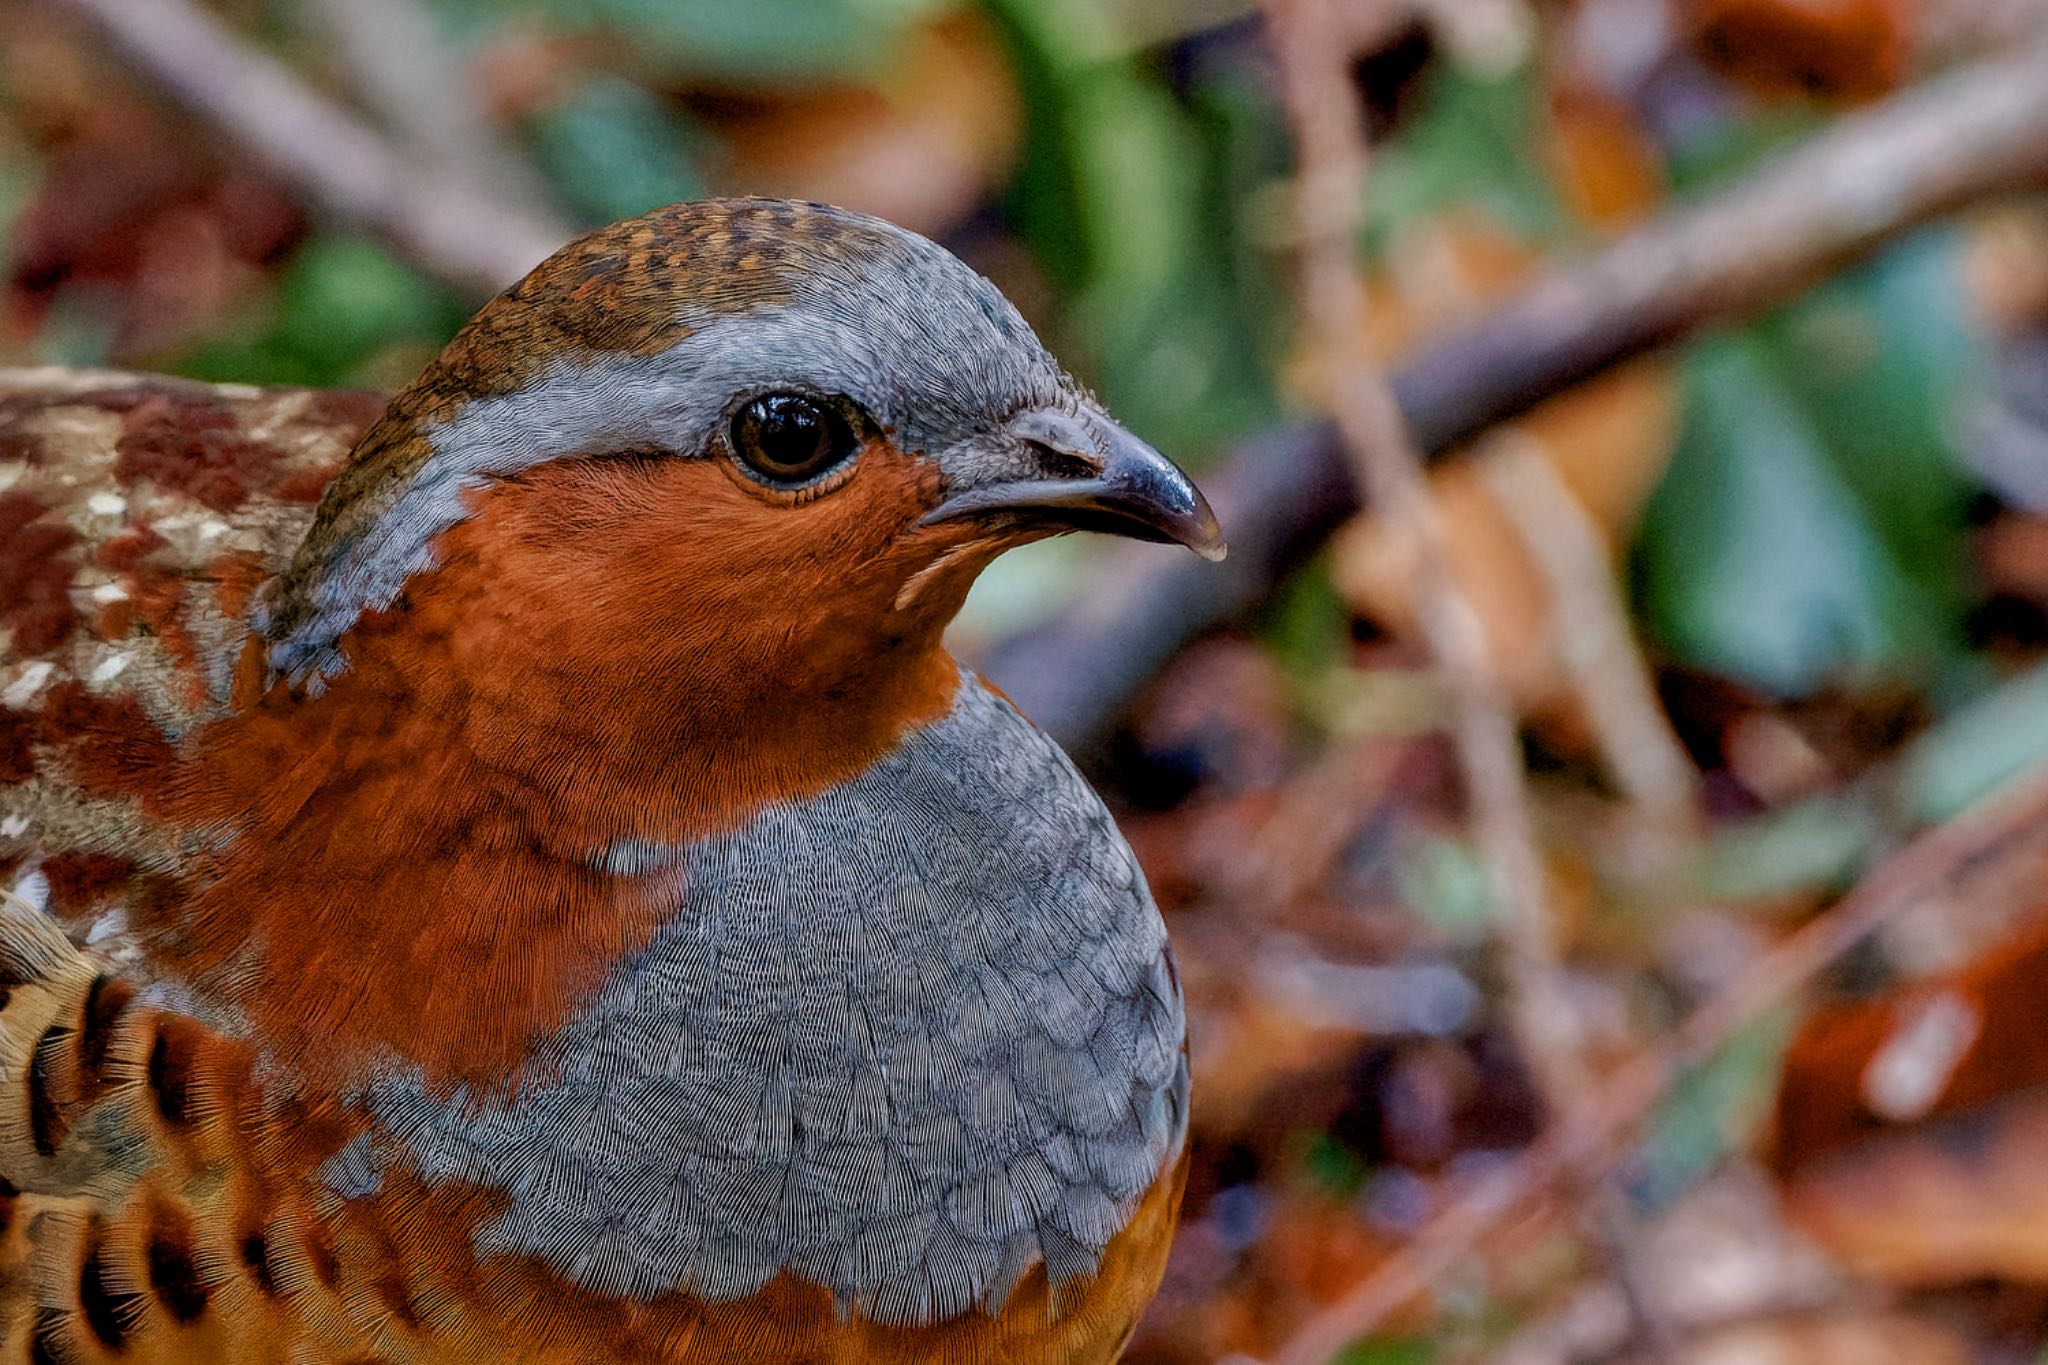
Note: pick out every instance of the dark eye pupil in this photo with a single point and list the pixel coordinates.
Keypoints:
(787, 437)
(791, 432)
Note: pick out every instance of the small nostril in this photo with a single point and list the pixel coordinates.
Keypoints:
(1063, 464)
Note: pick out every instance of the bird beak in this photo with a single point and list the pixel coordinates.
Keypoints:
(1092, 475)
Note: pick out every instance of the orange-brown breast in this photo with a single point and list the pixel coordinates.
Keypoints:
(611, 650)
(407, 863)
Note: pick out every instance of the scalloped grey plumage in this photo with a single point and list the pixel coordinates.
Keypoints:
(904, 1040)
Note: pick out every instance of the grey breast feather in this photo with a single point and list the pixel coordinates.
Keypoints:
(905, 1040)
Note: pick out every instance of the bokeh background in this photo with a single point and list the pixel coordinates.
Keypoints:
(1749, 1067)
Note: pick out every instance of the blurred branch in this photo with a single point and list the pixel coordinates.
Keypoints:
(1314, 64)
(1591, 1144)
(1589, 620)
(403, 68)
(342, 167)
(1978, 133)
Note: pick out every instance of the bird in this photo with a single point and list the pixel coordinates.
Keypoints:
(530, 883)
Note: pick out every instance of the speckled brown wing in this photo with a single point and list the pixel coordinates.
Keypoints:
(137, 517)
(158, 1208)
(147, 1212)
(114, 1197)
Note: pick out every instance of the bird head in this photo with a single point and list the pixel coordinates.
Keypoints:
(749, 445)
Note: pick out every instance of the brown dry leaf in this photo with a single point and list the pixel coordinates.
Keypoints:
(1435, 276)
(1835, 49)
(1607, 441)
(1961, 1199)
(1607, 168)
(1940, 1047)
(1844, 1337)
(171, 239)
(1218, 1300)
(2011, 554)
(1910, 1128)
(2005, 264)
(922, 148)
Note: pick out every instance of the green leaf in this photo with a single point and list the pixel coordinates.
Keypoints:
(753, 39)
(1471, 141)
(1755, 559)
(1811, 845)
(340, 302)
(1308, 625)
(1389, 1351)
(1449, 885)
(1131, 201)
(615, 150)
(1977, 749)
(1714, 1109)
(1881, 360)
(343, 297)
(1330, 1167)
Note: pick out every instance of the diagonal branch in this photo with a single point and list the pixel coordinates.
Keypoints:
(1970, 136)
(406, 72)
(344, 168)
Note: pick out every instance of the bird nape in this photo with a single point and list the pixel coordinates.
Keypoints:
(529, 884)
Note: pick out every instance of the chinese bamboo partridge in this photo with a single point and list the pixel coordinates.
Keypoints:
(533, 887)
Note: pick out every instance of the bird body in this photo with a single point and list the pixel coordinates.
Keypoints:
(529, 884)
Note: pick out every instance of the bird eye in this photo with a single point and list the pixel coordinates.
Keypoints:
(787, 438)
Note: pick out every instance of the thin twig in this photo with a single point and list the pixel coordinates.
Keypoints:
(1590, 622)
(345, 169)
(1613, 1222)
(1328, 123)
(1586, 1147)
(403, 68)
(1978, 133)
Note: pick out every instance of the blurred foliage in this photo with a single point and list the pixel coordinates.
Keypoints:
(1410, 1352)
(1471, 144)
(1986, 742)
(340, 307)
(1716, 1108)
(1758, 560)
(1135, 202)
(1822, 841)
(739, 44)
(614, 149)
(1810, 526)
